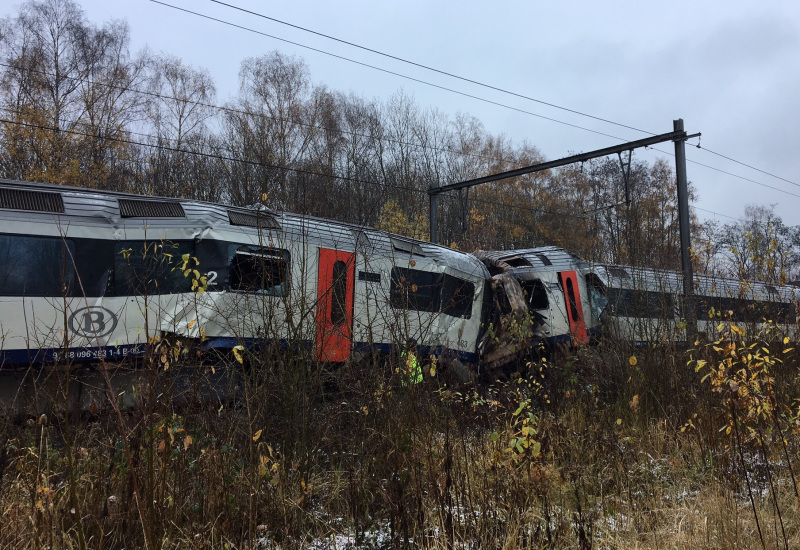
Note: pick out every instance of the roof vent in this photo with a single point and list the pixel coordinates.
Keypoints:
(545, 260)
(618, 272)
(261, 220)
(406, 246)
(135, 208)
(37, 201)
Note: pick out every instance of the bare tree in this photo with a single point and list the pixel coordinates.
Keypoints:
(179, 109)
(66, 90)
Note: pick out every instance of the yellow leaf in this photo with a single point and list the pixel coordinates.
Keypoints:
(187, 441)
(257, 435)
(619, 422)
(237, 353)
(633, 360)
(786, 340)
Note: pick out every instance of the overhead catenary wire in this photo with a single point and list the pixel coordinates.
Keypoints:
(418, 145)
(472, 96)
(387, 71)
(426, 67)
(747, 165)
(738, 176)
(304, 171)
(228, 109)
(278, 167)
(483, 84)
(717, 213)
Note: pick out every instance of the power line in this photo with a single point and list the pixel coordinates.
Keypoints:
(745, 178)
(716, 213)
(426, 67)
(272, 166)
(387, 71)
(721, 171)
(747, 165)
(464, 94)
(226, 109)
(478, 83)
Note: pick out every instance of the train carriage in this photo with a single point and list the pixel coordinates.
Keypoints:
(646, 306)
(87, 275)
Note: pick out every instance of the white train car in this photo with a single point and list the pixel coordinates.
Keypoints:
(88, 275)
(560, 290)
(646, 306)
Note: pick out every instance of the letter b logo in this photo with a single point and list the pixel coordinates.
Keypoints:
(92, 322)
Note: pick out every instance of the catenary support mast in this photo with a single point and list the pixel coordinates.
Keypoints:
(690, 312)
(678, 135)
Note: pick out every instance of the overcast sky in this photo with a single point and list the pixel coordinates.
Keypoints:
(730, 69)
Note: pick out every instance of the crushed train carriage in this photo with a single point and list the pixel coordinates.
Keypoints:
(555, 293)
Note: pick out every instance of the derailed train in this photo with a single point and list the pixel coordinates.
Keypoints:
(90, 276)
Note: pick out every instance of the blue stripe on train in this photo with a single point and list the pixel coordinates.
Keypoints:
(362, 347)
(118, 353)
(77, 355)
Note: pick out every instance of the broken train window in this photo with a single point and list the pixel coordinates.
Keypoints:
(418, 290)
(457, 296)
(261, 270)
(535, 294)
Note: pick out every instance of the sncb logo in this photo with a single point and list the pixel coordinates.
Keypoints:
(92, 322)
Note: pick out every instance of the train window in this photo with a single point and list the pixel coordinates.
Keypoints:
(36, 266)
(339, 294)
(573, 308)
(536, 294)
(261, 270)
(404, 245)
(150, 267)
(414, 289)
(597, 294)
(618, 272)
(641, 304)
(457, 296)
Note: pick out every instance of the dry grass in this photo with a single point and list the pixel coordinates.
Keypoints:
(586, 451)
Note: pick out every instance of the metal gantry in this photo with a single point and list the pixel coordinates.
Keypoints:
(678, 135)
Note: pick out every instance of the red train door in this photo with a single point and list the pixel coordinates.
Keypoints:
(335, 288)
(572, 297)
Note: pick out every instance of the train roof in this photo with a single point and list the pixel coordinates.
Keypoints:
(27, 201)
(661, 280)
(545, 258)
